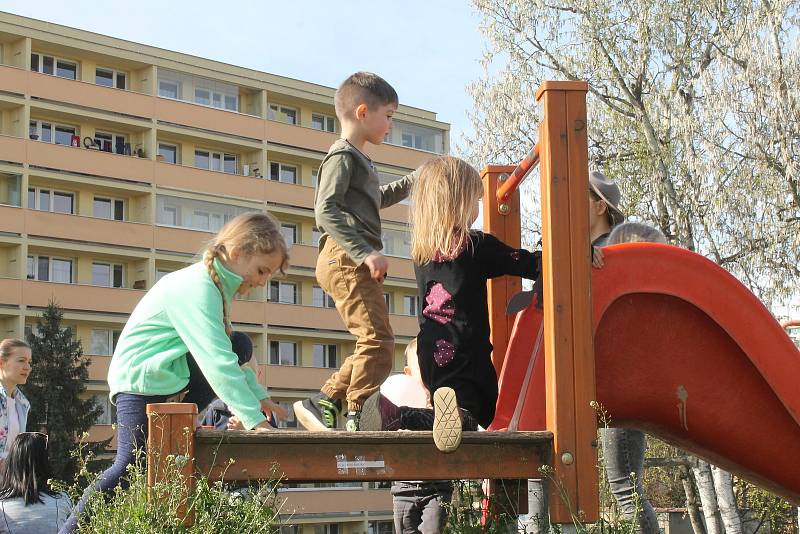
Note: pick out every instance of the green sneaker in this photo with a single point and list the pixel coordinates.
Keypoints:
(319, 413)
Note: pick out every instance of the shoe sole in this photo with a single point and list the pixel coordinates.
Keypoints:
(371, 415)
(309, 421)
(446, 420)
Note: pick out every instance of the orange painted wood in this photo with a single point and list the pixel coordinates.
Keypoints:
(171, 434)
(580, 273)
(505, 227)
(567, 316)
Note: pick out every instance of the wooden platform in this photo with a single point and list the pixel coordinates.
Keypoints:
(344, 456)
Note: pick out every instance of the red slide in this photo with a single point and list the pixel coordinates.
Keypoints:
(683, 351)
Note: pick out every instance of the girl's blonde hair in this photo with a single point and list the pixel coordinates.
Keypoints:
(250, 233)
(442, 201)
(633, 232)
(8, 345)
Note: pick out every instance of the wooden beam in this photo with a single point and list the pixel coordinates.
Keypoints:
(503, 221)
(569, 355)
(342, 456)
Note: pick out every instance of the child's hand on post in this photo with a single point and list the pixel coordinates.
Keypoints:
(597, 258)
(280, 412)
(378, 266)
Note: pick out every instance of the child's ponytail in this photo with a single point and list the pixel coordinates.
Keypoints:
(208, 259)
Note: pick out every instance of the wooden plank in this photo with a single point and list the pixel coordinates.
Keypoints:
(504, 225)
(556, 255)
(580, 273)
(334, 456)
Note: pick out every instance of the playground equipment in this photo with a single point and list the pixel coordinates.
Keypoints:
(663, 339)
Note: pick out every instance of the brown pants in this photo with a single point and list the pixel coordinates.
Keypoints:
(360, 301)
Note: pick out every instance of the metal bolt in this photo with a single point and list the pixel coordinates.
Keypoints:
(505, 209)
(567, 458)
(503, 177)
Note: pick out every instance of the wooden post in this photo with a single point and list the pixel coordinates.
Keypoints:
(502, 221)
(171, 435)
(569, 353)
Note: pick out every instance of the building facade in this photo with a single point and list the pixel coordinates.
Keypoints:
(118, 161)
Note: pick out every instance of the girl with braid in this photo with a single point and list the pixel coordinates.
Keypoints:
(189, 311)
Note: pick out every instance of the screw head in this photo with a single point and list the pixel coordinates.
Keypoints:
(567, 458)
(505, 209)
(503, 177)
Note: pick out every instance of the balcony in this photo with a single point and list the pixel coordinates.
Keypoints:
(10, 291)
(287, 376)
(280, 133)
(94, 162)
(205, 181)
(355, 500)
(15, 80)
(89, 95)
(13, 220)
(209, 118)
(88, 229)
(12, 149)
(182, 240)
(80, 297)
(98, 370)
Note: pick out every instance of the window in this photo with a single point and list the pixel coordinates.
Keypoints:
(320, 299)
(325, 356)
(53, 65)
(109, 414)
(415, 136)
(169, 152)
(161, 273)
(111, 142)
(283, 292)
(282, 113)
(280, 172)
(111, 78)
(379, 527)
(289, 232)
(396, 243)
(326, 529)
(218, 99)
(194, 214)
(52, 133)
(323, 122)
(282, 353)
(109, 208)
(315, 236)
(169, 89)
(50, 200)
(108, 275)
(410, 304)
(46, 269)
(215, 161)
(388, 298)
(315, 177)
(103, 341)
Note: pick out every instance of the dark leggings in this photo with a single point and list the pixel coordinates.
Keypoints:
(131, 437)
(422, 419)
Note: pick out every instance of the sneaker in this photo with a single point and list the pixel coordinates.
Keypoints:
(353, 421)
(319, 413)
(379, 413)
(446, 420)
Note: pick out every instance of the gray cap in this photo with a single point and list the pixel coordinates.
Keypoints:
(608, 191)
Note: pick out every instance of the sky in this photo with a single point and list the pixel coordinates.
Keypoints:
(429, 50)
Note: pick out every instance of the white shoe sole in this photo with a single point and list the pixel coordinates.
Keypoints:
(446, 420)
(307, 419)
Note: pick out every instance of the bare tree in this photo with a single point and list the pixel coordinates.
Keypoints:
(693, 107)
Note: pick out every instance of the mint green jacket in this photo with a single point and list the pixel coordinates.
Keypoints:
(182, 313)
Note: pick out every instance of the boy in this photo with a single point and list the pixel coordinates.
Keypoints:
(350, 267)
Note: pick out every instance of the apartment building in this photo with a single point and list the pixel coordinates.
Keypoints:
(119, 160)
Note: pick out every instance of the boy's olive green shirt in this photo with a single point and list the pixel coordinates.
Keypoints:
(182, 313)
(349, 198)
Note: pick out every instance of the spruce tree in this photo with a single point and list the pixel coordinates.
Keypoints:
(55, 389)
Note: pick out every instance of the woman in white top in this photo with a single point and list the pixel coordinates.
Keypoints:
(15, 366)
(27, 503)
